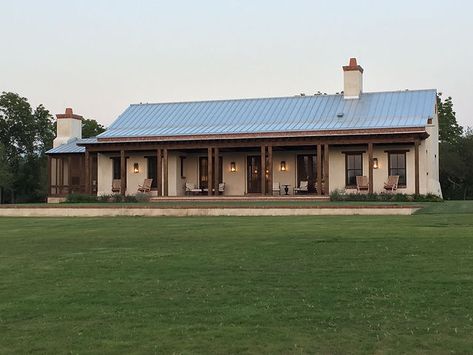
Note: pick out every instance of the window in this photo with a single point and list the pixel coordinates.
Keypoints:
(397, 166)
(354, 167)
(152, 169)
(182, 167)
(116, 167)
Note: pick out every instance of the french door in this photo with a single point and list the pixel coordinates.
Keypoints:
(307, 170)
(253, 173)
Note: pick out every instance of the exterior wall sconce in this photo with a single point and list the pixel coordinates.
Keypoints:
(375, 163)
(283, 166)
(232, 167)
(136, 168)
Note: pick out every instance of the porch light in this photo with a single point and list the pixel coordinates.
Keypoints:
(283, 165)
(232, 167)
(375, 163)
(136, 168)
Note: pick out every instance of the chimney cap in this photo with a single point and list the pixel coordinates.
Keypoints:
(352, 66)
(68, 114)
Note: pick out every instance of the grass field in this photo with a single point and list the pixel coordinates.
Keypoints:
(355, 284)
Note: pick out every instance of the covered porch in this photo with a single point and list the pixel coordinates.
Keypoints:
(254, 167)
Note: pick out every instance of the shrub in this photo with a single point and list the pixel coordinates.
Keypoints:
(129, 199)
(142, 197)
(104, 198)
(340, 195)
(80, 198)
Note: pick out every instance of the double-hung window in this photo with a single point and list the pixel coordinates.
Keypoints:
(353, 167)
(397, 166)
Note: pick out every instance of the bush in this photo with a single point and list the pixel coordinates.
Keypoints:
(142, 197)
(80, 198)
(340, 195)
(113, 198)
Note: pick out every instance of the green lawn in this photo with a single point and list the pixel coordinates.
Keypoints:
(223, 285)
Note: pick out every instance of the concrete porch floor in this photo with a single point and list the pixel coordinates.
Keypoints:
(248, 198)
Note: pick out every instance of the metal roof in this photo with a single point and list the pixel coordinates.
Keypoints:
(396, 109)
(71, 147)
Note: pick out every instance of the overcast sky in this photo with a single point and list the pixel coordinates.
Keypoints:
(100, 56)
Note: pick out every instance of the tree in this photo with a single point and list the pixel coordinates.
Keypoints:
(91, 128)
(449, 129)
(25, 135)
(6, 177)
(456, 154)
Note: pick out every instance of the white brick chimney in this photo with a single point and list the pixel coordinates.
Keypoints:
(69, 127)
(352, 80)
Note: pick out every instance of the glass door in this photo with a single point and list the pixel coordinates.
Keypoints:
(254, 174)
(307, 170)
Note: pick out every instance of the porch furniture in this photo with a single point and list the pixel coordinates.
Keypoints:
(362, 183)
(391, 184)
(116, 185)
(192, 189)
(277, 188)
(303, 187)
(221, 188)
(286, 189)
(146, 187)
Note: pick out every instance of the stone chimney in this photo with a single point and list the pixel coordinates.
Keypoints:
(69, 127)
(352, 80)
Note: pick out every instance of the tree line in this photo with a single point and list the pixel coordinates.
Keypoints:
(26, 134)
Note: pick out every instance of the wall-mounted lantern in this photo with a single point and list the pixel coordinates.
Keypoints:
(375, 163)
(283, 166)
(232, 167)
(136, 168)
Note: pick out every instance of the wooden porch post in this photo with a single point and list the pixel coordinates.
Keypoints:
(319, 169)
(370, 168)
(122, 172)
(166, 173)
(216, 170)
(416, 153)
(326, 170)
(209, 171)
(49, 176)
(56, 173)
(159, 172)
(263, 170)
(69, 171)
(270, 170)
(87, 171)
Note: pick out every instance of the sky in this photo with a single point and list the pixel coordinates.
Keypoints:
(99, 56)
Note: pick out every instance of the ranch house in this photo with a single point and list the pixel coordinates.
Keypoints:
(353, 141)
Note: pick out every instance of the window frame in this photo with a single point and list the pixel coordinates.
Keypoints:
(398, 152)
(116, 167)
(151, 167)
(347, 154)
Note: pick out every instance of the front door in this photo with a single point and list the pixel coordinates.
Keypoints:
(307, 170)
(253, 173)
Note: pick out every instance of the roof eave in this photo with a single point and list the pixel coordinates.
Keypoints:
(348, 132)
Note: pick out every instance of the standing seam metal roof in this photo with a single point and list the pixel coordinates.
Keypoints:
(72, 147)
(396, 109)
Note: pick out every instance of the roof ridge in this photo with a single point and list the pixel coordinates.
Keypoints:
(273, 97)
